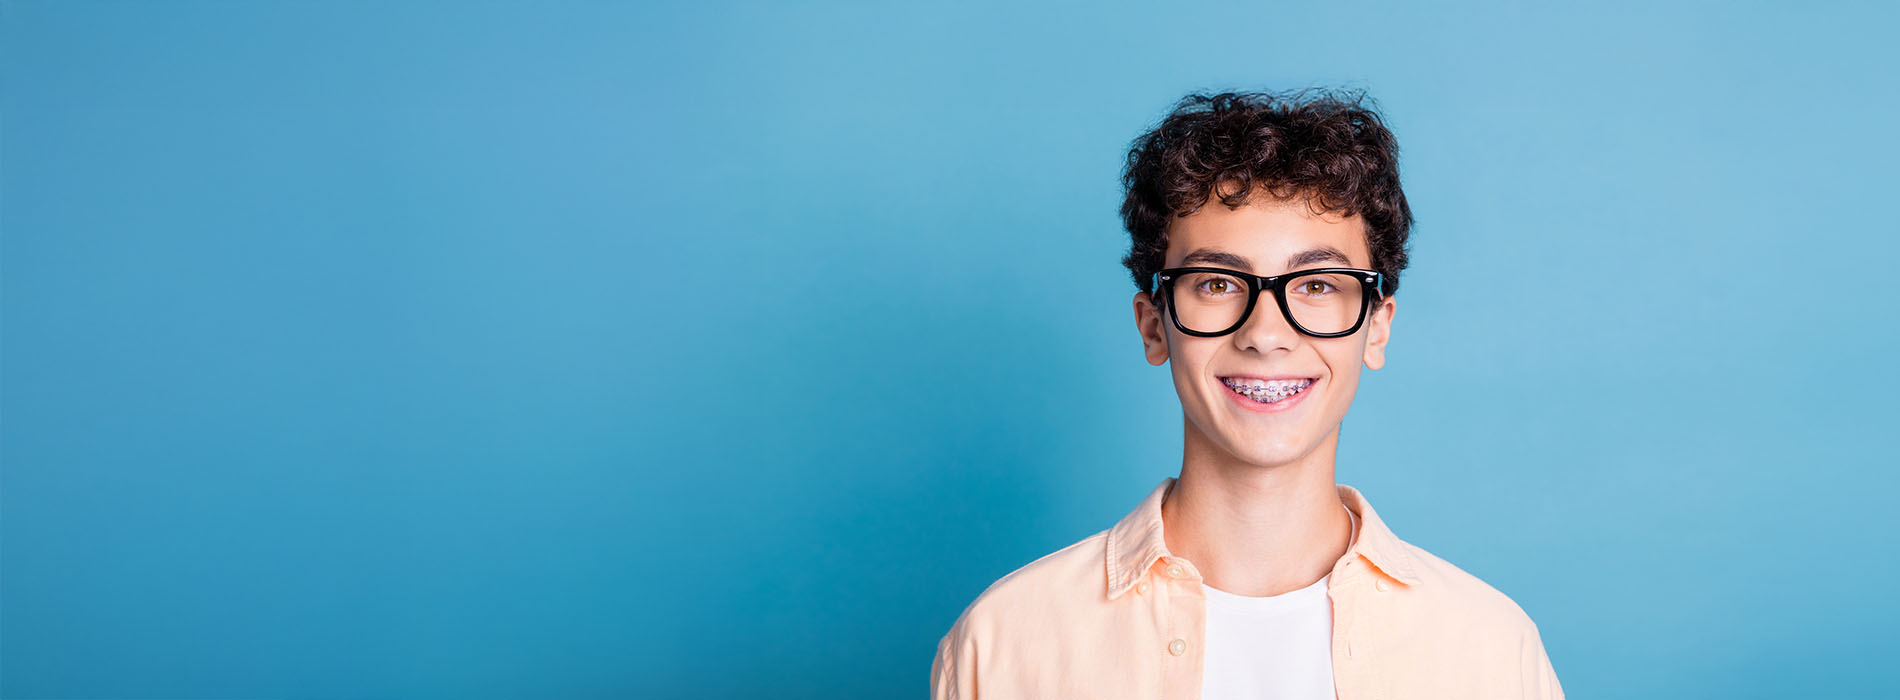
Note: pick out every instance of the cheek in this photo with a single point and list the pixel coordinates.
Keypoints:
(1183, 372)
(1188, 359)
(1189, 370)
(1346, 367)
(1348, 356)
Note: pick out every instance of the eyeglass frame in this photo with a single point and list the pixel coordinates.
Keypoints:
(1374, 281)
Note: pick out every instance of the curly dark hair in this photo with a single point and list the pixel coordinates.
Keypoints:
(1332, 150)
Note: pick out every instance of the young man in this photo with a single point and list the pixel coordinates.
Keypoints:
(1268, 233)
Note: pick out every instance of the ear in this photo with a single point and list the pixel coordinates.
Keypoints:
(1379, 332)
(1154, 333)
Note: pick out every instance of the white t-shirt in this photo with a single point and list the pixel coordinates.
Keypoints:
(1270, 647)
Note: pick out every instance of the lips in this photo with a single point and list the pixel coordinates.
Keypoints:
(1267, 395)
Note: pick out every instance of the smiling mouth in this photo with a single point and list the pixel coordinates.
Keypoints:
(1266, 392)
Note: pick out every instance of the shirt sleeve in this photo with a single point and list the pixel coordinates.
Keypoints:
(953, 673)
(1540, 680)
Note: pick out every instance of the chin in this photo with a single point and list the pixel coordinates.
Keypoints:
(1267, 452)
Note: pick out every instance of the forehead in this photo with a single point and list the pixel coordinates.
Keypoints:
(1267, 233)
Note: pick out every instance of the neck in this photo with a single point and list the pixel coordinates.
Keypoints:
(1253, 529)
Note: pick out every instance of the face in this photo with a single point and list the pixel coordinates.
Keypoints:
(1269, 237)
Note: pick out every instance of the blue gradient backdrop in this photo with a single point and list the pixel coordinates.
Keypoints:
(601, 350)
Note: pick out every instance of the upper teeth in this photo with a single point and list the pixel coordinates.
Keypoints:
(1275, 386)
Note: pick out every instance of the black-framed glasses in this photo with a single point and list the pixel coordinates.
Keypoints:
(1326, 302)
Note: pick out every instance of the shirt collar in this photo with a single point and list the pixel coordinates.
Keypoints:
(1135, 543)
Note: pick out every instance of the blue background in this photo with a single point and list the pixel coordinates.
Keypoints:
(599, 350)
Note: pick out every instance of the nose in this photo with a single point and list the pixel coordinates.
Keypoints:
(1266, 327)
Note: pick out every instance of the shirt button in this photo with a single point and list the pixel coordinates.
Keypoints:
(1177, 647)
(1383, 585)
(1141, 587)
(1176, 571)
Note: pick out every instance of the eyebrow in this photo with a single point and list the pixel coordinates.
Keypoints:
(1216, 256)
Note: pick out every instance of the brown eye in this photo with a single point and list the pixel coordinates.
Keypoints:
(1218, 286)
(1215, 286)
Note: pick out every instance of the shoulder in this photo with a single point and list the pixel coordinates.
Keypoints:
(1475, 600)
(1455, 635)
(1045, 609)
(1039, 588)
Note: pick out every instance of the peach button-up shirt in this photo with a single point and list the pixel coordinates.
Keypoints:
(1118, 616)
